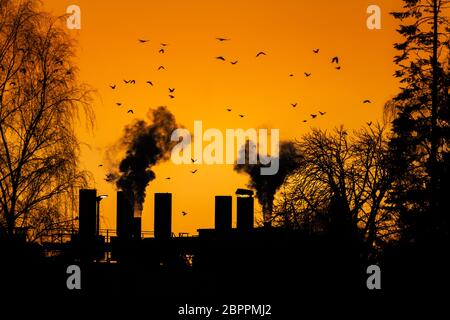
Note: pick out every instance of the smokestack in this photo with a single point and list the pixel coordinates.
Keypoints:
(137, 222)
(223, 213)
(163, 216)
(146, 143)
(266, 186)
(137, 226)
(125, 216)
(245, 210)
(87, 213)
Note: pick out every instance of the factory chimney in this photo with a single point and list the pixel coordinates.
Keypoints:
(223, 214)
(163, 216)
(87, 214)
(245, 210)
(128, 224)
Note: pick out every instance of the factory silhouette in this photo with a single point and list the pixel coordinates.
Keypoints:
(239, 261)
(246, 260)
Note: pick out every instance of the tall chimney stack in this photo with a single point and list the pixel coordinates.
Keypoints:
(137, 227)
(245, 209)
(87, 214)
(125, 216)
(163, 216)
(223, 214)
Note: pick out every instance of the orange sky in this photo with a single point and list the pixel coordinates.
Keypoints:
(287, 30)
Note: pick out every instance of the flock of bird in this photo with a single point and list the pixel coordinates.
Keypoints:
(162, 50)
(335, 61)
(132, 81)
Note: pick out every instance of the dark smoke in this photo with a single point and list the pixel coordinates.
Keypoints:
(146, 144)
(266, 186)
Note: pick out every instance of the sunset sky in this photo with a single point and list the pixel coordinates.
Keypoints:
(260, 88)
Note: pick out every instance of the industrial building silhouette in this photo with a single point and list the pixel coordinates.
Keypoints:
(246, 261)
(221, 261)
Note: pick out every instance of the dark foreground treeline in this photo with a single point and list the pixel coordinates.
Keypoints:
(268, 264)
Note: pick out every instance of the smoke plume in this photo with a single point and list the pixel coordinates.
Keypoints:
(266, 186)
(146, 144)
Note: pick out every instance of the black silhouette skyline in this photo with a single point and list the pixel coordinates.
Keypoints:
(341, 200)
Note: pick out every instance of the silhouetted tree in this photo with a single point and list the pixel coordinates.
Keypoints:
(420, 145)
(341, 186)
(39, 104)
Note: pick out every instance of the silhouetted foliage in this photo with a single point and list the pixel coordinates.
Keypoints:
(420, 146)
(341, 187)
(39, 104)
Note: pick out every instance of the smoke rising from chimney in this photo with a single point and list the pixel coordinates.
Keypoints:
(146, 144)
(266, 186)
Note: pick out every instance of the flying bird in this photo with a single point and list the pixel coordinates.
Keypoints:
(161, 68)
(220, 58)
(184, 213)
(133, 81)
(229, 110)
(119, 103)
(164, 44)
(130, 111)
(100, 165)
(167, 178)
(261, 53)
(369, 123)
(305, 120)
(367, 101)
(193, 160)
(294, 104)
(234, 62)
(291, 75)
(161, 50)
(194, 171)
(126, 81)
(316, 50)
(335, 60)
(241, 115)
(313, 116)
(222, 39)
(171, 90)
(113, 86)
(322, 113)
(338, 68)
(143, 41)
(150, 83)
(307, 74)
(171, 96)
